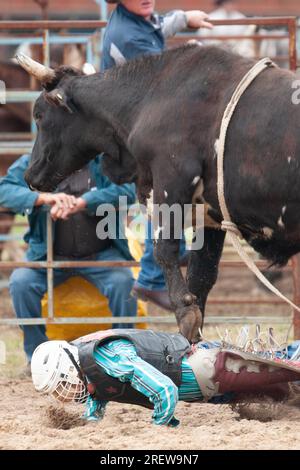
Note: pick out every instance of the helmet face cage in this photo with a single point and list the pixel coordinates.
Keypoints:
(69, 385)
(67, 391)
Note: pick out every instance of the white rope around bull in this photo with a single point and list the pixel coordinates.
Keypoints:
(227, 224)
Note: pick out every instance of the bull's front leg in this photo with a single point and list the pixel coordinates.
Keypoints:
(173, 187)
(203, 266)
(188, 315)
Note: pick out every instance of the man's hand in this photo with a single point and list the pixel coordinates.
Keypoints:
(62, 205)
(198, 19)
(59, 212)
(173, 423)
(50, 199)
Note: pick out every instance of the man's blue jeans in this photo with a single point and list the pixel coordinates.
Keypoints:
(28, 286)
(151, 275)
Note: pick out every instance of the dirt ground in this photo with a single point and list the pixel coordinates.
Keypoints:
(29, 421)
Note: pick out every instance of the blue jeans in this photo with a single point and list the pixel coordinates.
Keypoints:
(151, 275)
(28, 286)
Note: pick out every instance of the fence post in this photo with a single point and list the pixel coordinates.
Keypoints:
(46, 48)
(50, 269)
(292, 27)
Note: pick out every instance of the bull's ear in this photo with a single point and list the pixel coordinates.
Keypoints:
(58, 97)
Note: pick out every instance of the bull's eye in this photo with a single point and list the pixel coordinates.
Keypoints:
(37, 117)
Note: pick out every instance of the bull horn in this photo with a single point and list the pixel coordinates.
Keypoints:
(37, 70)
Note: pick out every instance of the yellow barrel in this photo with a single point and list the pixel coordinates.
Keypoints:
(78, 298)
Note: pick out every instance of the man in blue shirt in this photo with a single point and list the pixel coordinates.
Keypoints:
(156, 370)
(73, 209)
(134, 30)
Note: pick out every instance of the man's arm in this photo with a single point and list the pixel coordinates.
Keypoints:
(16, 195)
(94, 409)
(14, 192)
(119, 360)
(178, 20)
(92, 199)
(173, 22)
(109, 195)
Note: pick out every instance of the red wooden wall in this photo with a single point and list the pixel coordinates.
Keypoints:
(88, 8)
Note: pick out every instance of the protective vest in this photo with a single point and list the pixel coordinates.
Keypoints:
(76, 237)
(163, 351)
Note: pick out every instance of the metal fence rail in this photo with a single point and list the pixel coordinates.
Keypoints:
(166, 319)
(20, 146)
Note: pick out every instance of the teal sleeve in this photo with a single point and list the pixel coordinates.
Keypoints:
(109, 195)
(14, 192)
(94, 409)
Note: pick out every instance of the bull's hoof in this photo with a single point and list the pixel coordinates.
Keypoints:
(189, 321)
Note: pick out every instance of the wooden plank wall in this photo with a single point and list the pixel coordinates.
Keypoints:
(89, 8)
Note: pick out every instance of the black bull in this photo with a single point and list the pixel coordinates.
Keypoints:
(157, 120)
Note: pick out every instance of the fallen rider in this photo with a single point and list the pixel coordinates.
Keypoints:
(155, 370)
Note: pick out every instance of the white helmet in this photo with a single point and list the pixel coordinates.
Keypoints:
(54, 371)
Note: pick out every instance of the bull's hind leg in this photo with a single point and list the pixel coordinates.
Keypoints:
(203, 266)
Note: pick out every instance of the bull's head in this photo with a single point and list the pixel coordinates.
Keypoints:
(66, 135)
